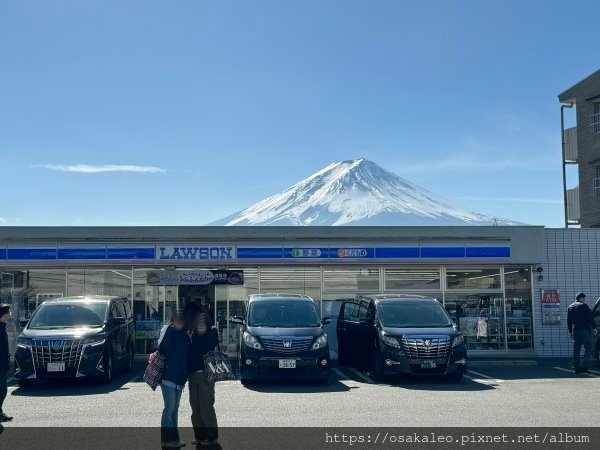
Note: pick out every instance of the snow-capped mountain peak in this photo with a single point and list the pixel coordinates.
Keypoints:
(357, 192)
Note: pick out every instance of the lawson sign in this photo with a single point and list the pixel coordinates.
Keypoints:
(195, 252)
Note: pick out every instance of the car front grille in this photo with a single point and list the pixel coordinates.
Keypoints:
(56, 350)
(424, 347)
(286, 346)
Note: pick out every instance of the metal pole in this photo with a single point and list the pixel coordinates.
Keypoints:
(564, 156)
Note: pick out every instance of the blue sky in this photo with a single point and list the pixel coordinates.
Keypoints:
(169, 113)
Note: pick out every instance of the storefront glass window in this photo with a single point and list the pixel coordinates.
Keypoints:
(115, 282)
(402, 279)
(149, 309)
(353, 279)
(517, 285)
(472, 278)
(480, 317)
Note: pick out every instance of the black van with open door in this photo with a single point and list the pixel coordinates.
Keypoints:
(402, 334)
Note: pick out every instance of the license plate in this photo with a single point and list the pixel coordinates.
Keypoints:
(56, 367)
(287, 363)
(428, 364)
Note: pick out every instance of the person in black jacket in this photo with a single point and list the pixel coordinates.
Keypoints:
(202, 392)
(175, 347)
(580, 322)
(5, 316)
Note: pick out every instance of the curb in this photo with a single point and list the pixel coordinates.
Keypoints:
(517, 362)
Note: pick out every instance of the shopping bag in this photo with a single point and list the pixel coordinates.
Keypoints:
(154, 372)
(218, 367)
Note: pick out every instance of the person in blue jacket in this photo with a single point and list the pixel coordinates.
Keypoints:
(175, 347)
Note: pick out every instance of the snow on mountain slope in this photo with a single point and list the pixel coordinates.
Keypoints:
(357, 192)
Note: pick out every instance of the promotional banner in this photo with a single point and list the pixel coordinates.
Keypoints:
(550, 307)
(194, 277)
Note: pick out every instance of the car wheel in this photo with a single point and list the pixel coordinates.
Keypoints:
(26, 383)
(107, 378)
(377, 367)
(455, 377)
(130, 357)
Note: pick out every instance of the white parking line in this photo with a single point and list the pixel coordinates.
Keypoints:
(573, 372)
(340, 374)
(483, 380)
(482, 375)
(361, 375)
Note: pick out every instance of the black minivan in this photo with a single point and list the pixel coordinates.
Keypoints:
(74, 337)
(282, 337)
(402, 334)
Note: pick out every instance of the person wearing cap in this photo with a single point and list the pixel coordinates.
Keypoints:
(5, 316)
(580, 323)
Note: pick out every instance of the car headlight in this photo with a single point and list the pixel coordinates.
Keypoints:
(95, 340)
(391, 341)
(320, 342)
(251, 341)
(458, 340)
(24, 342)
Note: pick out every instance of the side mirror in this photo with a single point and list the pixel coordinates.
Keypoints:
(326, 321)
(23, 323)
(237, 319)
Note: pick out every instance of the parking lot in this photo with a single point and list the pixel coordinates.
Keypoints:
(527, 393)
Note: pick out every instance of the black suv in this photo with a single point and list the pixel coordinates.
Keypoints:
(76, 337)
(282, 337)
(404, 334)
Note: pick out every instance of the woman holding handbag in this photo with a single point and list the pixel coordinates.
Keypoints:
(175, 348)
(202, 391)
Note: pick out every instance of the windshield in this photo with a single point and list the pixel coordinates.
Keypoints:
(414, 314)
(86, 315)
(283, 313)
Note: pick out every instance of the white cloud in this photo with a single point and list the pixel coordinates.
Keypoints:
(2, 220)
(513, 199)
(102, 168)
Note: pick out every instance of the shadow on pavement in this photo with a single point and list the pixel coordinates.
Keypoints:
(82, 386)
(298, 386)
(544, 369)
(429, 383)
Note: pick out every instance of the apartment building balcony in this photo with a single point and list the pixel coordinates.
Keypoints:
(573, 212)
(571, 145)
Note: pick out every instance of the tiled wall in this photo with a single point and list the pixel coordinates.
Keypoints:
(571, 265)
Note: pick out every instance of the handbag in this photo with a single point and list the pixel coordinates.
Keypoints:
(154, 372)
(217, 366)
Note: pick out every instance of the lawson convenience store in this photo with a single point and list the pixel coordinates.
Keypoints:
(483, 275)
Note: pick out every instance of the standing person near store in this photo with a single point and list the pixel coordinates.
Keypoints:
(580, 322)
(175, 347)
(202, 392)
(5, 316)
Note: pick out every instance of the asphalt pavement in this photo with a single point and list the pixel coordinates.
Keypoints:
(546, 393)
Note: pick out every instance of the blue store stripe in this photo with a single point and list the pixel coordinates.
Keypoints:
(130, 253)
(41, 254)
(488, 252)
(397, 252)
(442, 252)
(260, 253)
(82, 253)
(2, 253)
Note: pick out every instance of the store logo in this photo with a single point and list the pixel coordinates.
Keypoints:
(195, 253)
(306, 253)
(352, 253)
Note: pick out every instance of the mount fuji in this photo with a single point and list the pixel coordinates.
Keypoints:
(357, 192)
